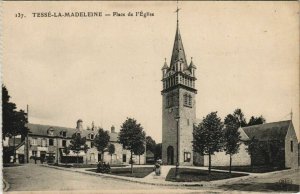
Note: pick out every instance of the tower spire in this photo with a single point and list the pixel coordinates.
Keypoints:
(178, 54)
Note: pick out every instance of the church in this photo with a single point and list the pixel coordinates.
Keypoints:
(179, 118)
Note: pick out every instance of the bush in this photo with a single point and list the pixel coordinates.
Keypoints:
(102, 167)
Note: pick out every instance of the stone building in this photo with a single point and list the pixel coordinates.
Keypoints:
(277, 143)
(178, 106)
(179, 118)
(45, 141)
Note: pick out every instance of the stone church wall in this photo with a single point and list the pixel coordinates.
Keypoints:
(242, 158)
(291, 154)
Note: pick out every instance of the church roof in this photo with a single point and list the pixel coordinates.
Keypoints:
(178, 53)
(268, 131)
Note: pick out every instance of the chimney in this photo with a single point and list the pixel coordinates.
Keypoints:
(79, 125)
(93, 126)
(112, 129)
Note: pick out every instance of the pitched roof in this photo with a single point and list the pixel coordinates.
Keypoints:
(192, 64)
(37, 129)
(268, 131)
(165, 65)
(178, 53)
(42, 130)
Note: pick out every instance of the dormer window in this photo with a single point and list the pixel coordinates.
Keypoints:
(51, 131)
(64, 134)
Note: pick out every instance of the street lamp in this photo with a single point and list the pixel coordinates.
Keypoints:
(177, 148)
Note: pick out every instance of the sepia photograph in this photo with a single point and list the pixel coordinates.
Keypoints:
(150, 97)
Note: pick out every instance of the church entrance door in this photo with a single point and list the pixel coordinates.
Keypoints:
(170, 155)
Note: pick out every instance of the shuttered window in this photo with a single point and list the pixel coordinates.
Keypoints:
(34, 141)
(44, 142)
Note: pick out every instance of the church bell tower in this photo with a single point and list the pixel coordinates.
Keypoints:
(178, 106)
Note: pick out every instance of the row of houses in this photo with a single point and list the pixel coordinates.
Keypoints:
(47, 142)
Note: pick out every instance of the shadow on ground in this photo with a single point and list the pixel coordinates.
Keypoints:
(265, 187)
(196, 175)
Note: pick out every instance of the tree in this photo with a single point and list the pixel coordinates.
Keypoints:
(101, 141)
(158, 151)
(240, 116)
(139, 150)
(231, 137)
(252, 148)
(66, 150)
(131, 135)
(150, 144)
(111, 151)
(208, 136)
(256, 120)
(78, 144)
(13, 121)
(8, 111)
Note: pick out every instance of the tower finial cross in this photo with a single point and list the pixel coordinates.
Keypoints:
(177, 11)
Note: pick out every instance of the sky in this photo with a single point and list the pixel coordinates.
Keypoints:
(105, 69)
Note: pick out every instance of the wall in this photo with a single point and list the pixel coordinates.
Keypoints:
(242, 158)
(291, 157)
(187, 120)
(117, 158)
(169, 127)
(91, 156)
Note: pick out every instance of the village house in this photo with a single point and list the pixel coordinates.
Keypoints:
(47, 142)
